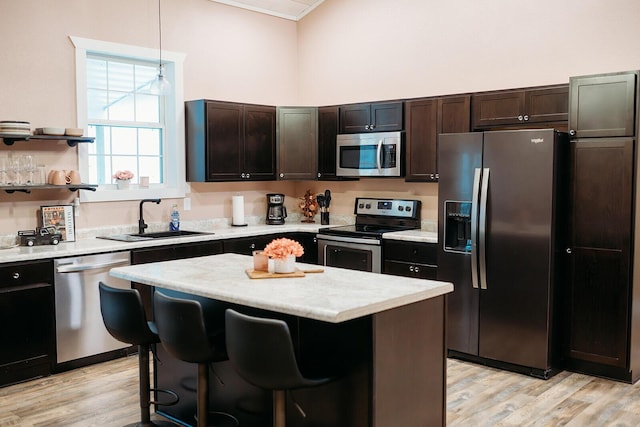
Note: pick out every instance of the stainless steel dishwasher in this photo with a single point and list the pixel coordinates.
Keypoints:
(80, 331)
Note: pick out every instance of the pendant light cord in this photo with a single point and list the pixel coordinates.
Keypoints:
(160, 31)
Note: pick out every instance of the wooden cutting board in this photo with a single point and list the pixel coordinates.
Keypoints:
(253, 274)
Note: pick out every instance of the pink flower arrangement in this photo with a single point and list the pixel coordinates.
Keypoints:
(283, 247)
(123, 175)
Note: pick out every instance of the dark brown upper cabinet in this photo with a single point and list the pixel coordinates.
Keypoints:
(521, 108)
(425, 119)
(297, 133)
(327, 133)
(376, 117)
(603, 105)
(227, 141)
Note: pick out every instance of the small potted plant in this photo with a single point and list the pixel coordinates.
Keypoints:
(123, 178)
(284, 251)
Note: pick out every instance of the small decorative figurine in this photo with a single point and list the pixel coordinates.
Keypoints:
(309, 206)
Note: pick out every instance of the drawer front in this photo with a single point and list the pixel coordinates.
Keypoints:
(408, 269)
(422, 253)
(24, 273)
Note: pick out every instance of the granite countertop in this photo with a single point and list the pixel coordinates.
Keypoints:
(335, 295)
(413, 236)
(93, 245)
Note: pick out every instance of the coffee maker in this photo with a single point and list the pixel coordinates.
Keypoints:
(276, 211)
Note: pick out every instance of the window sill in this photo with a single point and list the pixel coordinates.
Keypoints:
(109, 193)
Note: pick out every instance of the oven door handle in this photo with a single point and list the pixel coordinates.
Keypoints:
(361, 240)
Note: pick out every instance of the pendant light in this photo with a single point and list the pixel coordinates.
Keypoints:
(161, 85)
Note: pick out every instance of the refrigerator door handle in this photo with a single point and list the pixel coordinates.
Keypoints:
(482, 232)
(477, 176)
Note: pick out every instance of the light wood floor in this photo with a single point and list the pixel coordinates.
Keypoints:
(105, 395)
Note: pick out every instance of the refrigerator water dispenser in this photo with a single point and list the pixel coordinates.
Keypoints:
(457, 226)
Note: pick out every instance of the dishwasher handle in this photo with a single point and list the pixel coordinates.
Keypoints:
(74, 268)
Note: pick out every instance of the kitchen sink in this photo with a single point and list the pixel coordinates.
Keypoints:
(166, 234)
(138, 237)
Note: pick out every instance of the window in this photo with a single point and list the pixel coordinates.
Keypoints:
(133, 129)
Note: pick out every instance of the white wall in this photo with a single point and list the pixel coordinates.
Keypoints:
(358, 50)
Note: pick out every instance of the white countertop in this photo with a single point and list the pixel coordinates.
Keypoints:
(93, 245)
(335, 295)
(420, 236)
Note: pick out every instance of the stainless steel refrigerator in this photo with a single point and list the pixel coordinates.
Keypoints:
(500, 206)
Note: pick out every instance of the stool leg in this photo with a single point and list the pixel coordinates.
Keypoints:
(279, 409)
(203, 394)
(145, 384)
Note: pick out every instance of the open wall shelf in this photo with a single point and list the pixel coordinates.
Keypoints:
(28, 188)
(72, 141)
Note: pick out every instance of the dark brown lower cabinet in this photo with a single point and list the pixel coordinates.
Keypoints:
(27, 334)
(246, 245)
(168, 253)
(410, 259)
(601, 323)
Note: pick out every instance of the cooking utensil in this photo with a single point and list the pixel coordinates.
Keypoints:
(321, 201)
(327, 198)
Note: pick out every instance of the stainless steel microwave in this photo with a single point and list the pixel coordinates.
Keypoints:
(378, 154)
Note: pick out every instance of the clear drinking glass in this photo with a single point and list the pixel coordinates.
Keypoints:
(40, 177)
(3, 170)
(28, 168)
(14, 168)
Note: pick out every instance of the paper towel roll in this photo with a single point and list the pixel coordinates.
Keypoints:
(238, 210)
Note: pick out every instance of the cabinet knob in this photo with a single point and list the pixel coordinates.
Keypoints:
(248, 176)
(281, 175)
(252, 246)
(526, 118)
(416, 269)
(572, 132)
(242, 175)
(520, 118)
(372, 127)
(15, 275)
(319, 175)
(569, 251)
(366, 127)
(411, 268)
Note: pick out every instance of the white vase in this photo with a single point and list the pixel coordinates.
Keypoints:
(287, 265)
(123, 184)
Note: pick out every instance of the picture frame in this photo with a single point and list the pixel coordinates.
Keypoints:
(62, 218)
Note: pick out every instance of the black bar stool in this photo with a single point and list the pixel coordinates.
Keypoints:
(262, 353)
(185, 335)
(123, 316)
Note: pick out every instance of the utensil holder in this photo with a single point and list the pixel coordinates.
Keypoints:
(324, 218)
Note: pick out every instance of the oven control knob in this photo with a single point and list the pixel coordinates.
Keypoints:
(401, 208)
(361, 205)
(368, 206)
(408, 208)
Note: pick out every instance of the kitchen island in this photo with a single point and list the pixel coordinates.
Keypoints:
(383, 335)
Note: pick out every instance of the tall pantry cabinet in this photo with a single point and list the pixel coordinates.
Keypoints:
(603, 293)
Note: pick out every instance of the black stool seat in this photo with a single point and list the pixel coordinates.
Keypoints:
(261, 350)
(123, 316)
(185, 335)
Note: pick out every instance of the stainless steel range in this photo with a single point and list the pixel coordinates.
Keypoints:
(359, 246)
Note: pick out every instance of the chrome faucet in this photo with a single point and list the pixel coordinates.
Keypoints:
(141, 224)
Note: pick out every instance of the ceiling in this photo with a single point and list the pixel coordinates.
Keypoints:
(293, 10)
